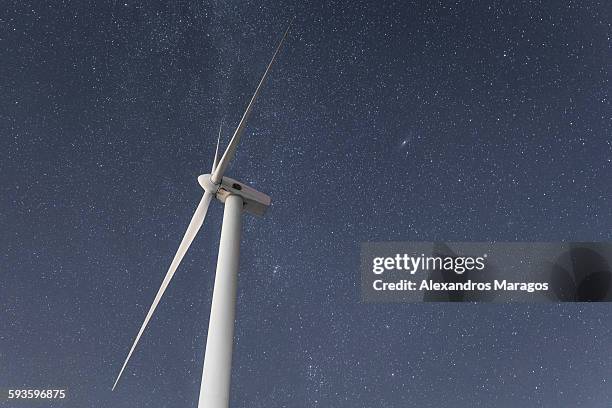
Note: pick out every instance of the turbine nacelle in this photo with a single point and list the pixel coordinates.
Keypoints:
(255, 202)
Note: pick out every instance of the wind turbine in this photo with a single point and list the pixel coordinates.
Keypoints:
(238, 198)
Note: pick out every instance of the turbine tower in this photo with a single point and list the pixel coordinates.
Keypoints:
(238, 198)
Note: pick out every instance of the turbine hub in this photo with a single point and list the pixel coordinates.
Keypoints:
(207, 184)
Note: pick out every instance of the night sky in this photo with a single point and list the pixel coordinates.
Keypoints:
(400, 121)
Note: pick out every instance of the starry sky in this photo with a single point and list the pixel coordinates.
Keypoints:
(381, 121)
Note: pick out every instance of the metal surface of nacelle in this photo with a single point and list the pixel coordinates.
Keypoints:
(255, 202)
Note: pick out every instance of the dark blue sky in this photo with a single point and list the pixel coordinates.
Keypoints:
(398, 121)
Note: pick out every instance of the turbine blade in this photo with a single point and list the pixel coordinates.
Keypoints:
(192, 230)
(231, 148)
(214, 166)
